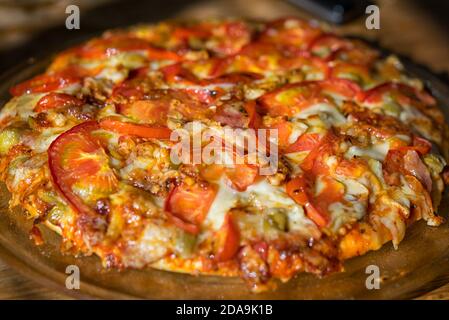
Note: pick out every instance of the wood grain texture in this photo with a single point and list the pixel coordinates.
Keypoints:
(405, 28)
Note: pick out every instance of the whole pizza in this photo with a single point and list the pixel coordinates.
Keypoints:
(337, 151)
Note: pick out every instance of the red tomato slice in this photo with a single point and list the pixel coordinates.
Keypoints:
(290, 99)
(228, 240)
(307, 63)
(313, 163)
(191, 204)
(242, 176)
(212, 172)
(305, 142)
(186, 226)
(284, 129)
(327, 44)
(297, 190)
(402, 93)
(133, 129)
(57, 100)
(114, 44)
(44, 83)
(77, 159)
(230, 37)
(295, 97)
(343, 88)
(254, 58)
(291, 32)
(147, 111)
(354, 72)
(255, 121)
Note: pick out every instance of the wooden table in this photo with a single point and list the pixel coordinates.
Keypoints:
(405, 28)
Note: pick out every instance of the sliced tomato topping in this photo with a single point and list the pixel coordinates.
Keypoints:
(314, 68)
(191, 203)
(340, 87)
(297, 189)
(212, 172)
(313, 163)
(57, 100)
(186, 226)
(284, 130)
(354, 72)
(399, 92)
(255, 58)
(133, 129)
(44, 83)
(316, 206)
(231, 37)
(77, 161)
(147, 111)
(114, 44)
(290, 99)
(255, 121)
(327, 44)
(305, 142)
(290, 32)
(228, 240)
(242, 176)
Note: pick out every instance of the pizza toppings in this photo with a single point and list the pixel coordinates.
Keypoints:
(127, 128)
(80, 168)
(57, 100)
(191, 203)
(45, 83)
(86, 148)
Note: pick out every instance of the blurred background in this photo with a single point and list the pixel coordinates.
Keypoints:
(30, 29)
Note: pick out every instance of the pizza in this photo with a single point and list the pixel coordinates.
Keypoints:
(87, 149)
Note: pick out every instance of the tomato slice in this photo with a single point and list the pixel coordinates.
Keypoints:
(284, 130)
(342, 88)
(290, 32)
(290, 99)
(242, 176)
(297, 190)
(313, 67)
(228, 240)
(57, 100)
(147, 111)
(78, 162)
(305, 142)
(191, 203)
(313, 162)
(212, 172)
(230, 37)
(327, 44)
(114, 44)
(354, 72)
(316, 207)
(255, 121)
(132, 129)
(401, 93)
(44, 83)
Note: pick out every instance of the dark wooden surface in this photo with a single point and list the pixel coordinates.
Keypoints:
(407, 27)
